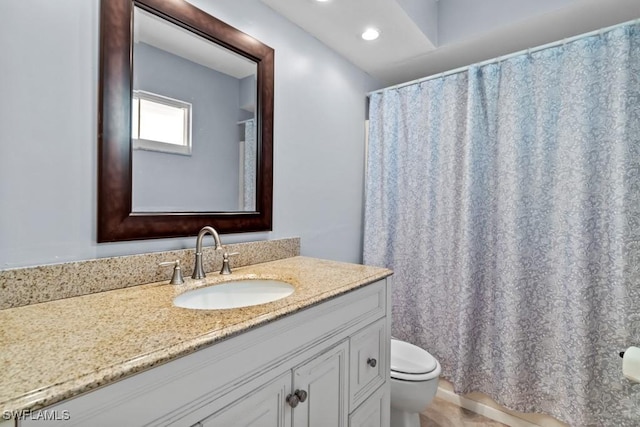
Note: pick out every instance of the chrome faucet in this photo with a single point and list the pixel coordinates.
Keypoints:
(198, 271)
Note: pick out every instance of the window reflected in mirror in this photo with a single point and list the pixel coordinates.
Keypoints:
(160, 124)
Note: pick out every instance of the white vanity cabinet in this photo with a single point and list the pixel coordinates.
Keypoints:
(323, 366)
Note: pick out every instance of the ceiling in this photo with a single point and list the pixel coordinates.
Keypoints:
(424, 37)
(162, 34)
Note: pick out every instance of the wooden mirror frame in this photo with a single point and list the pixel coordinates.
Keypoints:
(116, 221)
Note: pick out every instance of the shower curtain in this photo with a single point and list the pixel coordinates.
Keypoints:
(250, 166)
(506, 198)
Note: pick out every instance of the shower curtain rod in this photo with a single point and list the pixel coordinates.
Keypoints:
(505, 57)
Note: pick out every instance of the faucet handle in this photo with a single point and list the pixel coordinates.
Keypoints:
(176, 278)
(226, 269)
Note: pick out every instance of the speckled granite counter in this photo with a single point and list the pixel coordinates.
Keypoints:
(56, 350)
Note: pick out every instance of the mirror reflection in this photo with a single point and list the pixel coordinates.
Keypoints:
(193, 122)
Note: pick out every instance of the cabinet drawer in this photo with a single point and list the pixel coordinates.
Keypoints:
(367, 362)
(374, 412)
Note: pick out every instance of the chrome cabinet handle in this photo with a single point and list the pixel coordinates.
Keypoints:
(372, 362)
(293, 400)
(302, 395)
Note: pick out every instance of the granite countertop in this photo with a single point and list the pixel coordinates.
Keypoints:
(56, 350)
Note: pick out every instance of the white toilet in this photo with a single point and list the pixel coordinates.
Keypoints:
(414, 382)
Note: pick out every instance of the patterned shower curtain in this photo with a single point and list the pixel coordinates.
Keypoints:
(506, 198)
(250, 166)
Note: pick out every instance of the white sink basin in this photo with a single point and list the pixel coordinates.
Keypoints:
(236, 294)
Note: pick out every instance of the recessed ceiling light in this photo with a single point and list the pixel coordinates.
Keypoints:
(370, 34)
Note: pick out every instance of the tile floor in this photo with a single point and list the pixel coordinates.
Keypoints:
(441, 413)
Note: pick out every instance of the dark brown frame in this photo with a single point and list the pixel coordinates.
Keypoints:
(116, 221)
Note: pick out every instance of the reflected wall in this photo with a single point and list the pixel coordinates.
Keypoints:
(208, 179)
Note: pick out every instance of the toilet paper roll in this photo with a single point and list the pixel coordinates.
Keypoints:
(631, 364)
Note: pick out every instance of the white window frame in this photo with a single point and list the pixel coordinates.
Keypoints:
(164, 147)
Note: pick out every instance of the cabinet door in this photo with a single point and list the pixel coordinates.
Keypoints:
(324, 379)
(263, 407)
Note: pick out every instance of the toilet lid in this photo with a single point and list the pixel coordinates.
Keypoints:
(410, 359)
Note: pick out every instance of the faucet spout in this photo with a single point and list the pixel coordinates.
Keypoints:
(198, 270)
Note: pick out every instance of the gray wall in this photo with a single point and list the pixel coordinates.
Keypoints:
(48, 149)
(248, 96)
(207, 180)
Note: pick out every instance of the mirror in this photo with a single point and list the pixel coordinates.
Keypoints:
(192, 121)
(185, 124)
